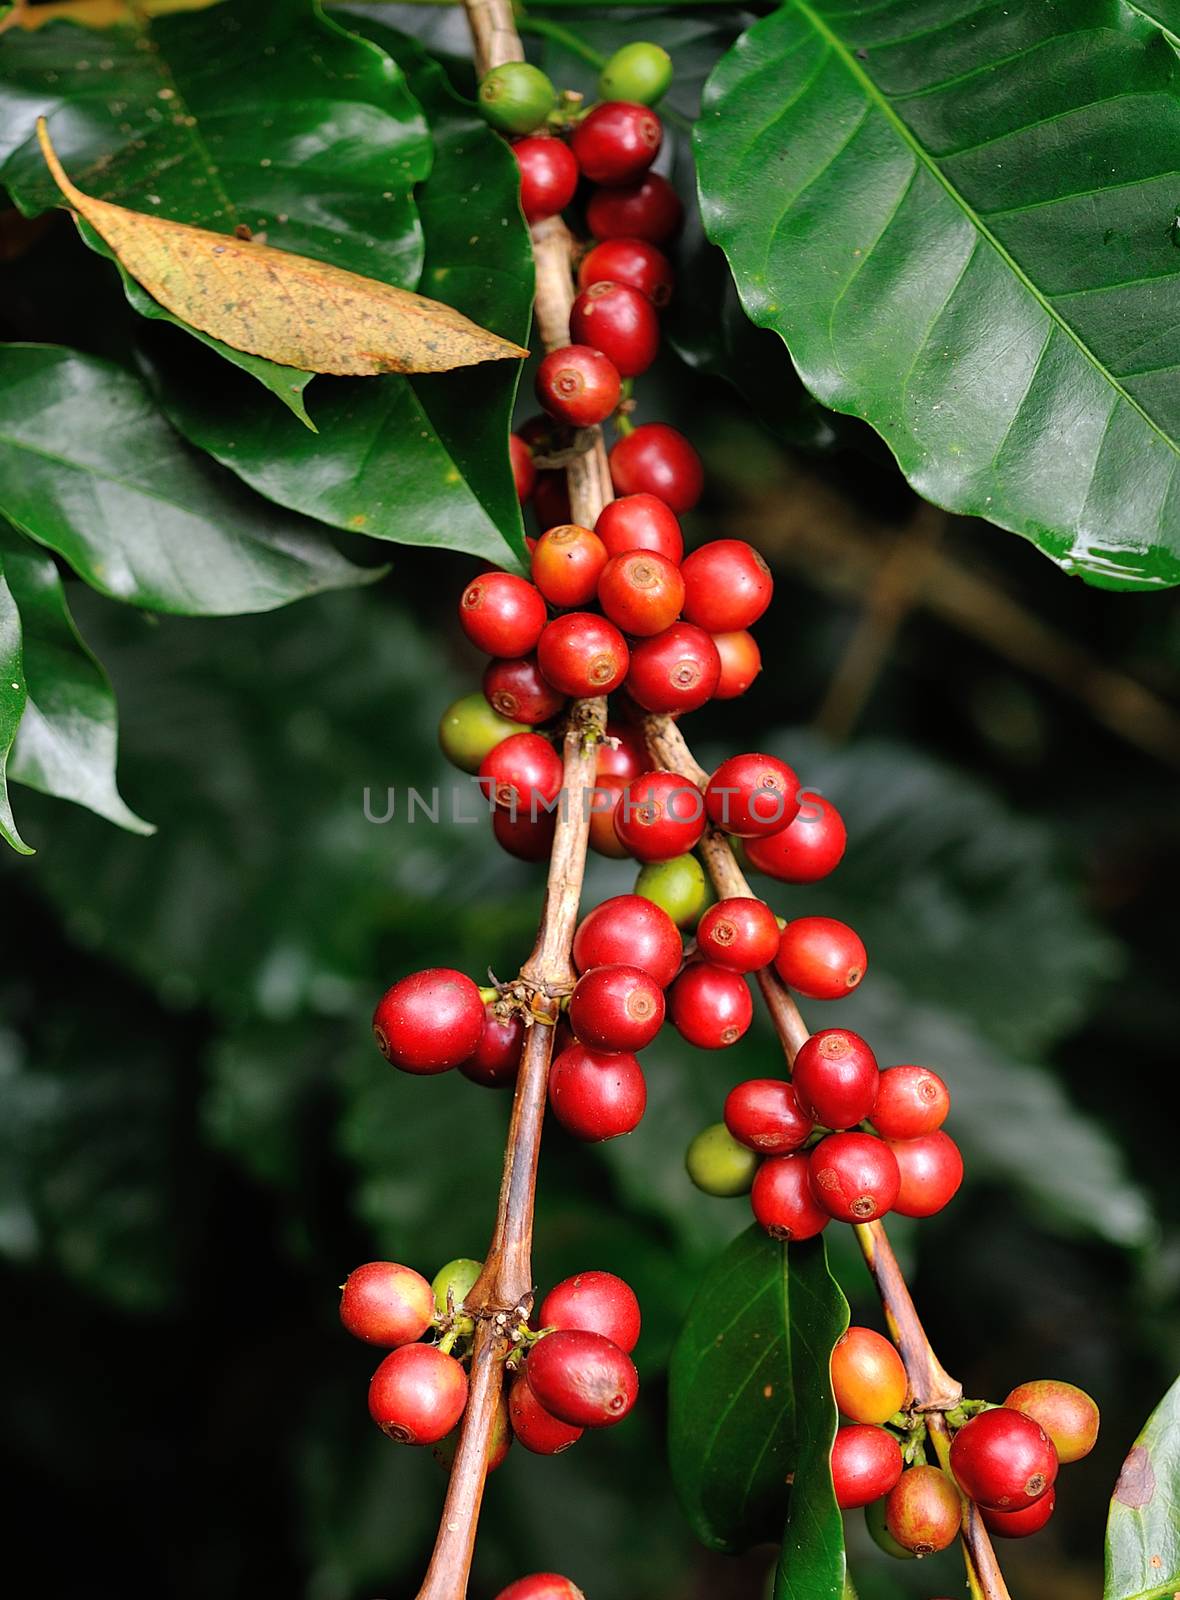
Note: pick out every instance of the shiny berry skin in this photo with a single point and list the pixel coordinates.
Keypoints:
(820, 957)
(502, 614)
(604, 800)
(597, 1094)
(854, 1177)
(931, 1171)
(674, 671)
(429, 1021)
(523, 773)
(752, 795)
(551, 498)
(782, 1200)
(718, 1165)
(623, 753)
(728, 585)
(641, 592)
(578, 385)
(516, 689)
(764, 1114)
(911, 1101)
(499, 1441)
(451, 1285)
(417, 1394)
(616, 1007)
(660, 815)
(806, 850)
(542, 1586)
(631, 930)
(1067, 1414)
(583, 655)
(866, 1463)
(516, 97)
(710, 1007)
(496, 1058)
(741, 934)
(524, 474)
(1023, 1523)
(616, 142)
(635, 262)
(595, 1302)
(741, 662)
(649, 209)
(868, 1377)
(567, 564)
(678, 886)
(620, 322)
(836, 1078)
(470, 729)
(638, 71)
(383, 1303)
(656, 459)
(548, 176)
(880, 1534)
(537, 1429)
(582, 1378)
(526, 837)
(924, 1512)
(640, 522)
(1003, 1459)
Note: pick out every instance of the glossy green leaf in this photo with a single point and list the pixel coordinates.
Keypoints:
(1143, 1529)
(13, 698)
(89, 468)
(961, 222)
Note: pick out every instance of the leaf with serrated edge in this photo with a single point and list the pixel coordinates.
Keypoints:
(12, 704)
(1143, 1529)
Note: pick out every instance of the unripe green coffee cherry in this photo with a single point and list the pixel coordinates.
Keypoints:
(516, 97)
(471, 730)
(678, 887)
(458, 1276)
(718, 1164)
(880, 1534)
(639, 72)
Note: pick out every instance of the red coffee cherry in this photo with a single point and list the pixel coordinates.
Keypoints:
(836, 1078)
(649, 209)
(632, 931)
(542, 1586)
(383, 1303)
(499, 1442)
(537, 1429)
(526, 837)
(752, 794)
(808, 849)
(596, 1094)
(623, 753)
(728, 585)
(524, 473)
(578, 385)
(641, 592)
(616, 1008)
(496, 1058)
(675, 671)
(620, 322)
(1020, 1524)
(594, 1302)
(548, 176)
(710, 1007)
(567, 564)
(640, 522)
(582, 1378)
(820, 957)
(551, 498)
(417, 1394)
(868, 1377)
(911, 1101)
(523, 772)
(782, 1200)
(764, 1114)
(517, 691)
(583, 655)
(1003, 1459)
(931, 1171)
(854, 1177)
(741, 934)
(1067, 1414)
(617, 141)
(656, 459)
(502, 614)
(634, 262)
(659, 816)
(603, 804)
(866, 1463)
(741, 662)
(924, 1512)
(429, 1021)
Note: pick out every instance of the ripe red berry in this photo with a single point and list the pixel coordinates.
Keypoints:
(604, 802)
(836, 1078)
(597, 1094)
(924, 1512)
(551, 498)
(675, 671)
(710, 1007)
(496, 1058)
(1067, 1414)
(620, 322)
(752, 794)
(523, 772)
(417, 1394)
(728, 585)
(583, 655)
(616, 1008)
(548, 176)
(868, 1377)
(1003, 1459)
(820, 957)
(429, 1021)
(567, 564)
(623, 753)
(526, 837)
(383, 1303)
(854, 1177)
(649, 209)
(640, 522)
(502, 614)
(782, 1200)
(578, 385)
(517, 690)
(542, 1586)
(537, 1429)
(741, 934)
(641, 592)
(1020, 1524)
(741, 662)
(617, 141)
(931, 1171)
(808, 849)
(631, 930)
(866, 1463)
(656, 459)
(582, 1378)
(524, 473)
(764, 1114)
(660, 815)
(594, 1302)
(634, 262)
(911, 1101)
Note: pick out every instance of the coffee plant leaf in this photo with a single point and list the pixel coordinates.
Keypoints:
(95, 13)
(1143, 1529)
(13, 698)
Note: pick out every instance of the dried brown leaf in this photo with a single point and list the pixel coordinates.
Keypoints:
(96, 13)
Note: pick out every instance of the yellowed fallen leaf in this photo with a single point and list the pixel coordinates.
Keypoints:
(96, 13)
(273, 303)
